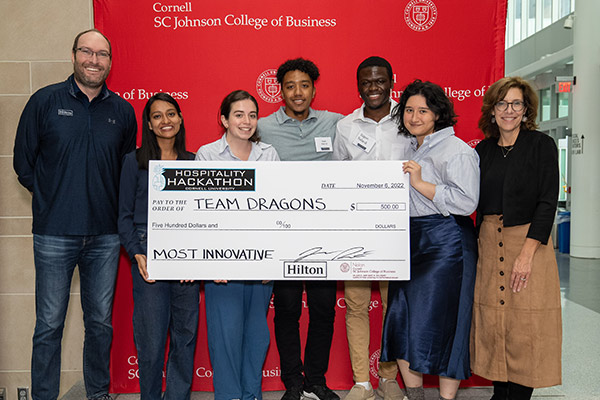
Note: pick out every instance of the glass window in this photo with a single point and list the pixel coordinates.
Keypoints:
(546, 13)
(545, 104)
(565, 8)
(518, 21)
(531, 18)
(563, 105)
(526, 17)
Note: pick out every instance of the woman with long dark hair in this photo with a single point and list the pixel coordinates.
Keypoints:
(236, 311)
(160, 307)
(428, 319)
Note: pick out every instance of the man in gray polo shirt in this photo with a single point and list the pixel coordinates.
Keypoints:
(300, 133)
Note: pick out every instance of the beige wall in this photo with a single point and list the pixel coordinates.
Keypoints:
(35, 41)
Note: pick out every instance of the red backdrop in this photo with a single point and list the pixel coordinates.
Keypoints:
(199, 51)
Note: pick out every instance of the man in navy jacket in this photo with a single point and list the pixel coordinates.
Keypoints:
(69, 145)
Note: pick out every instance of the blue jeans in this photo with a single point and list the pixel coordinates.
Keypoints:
(55, 259)
(238, 336)
(159, 308)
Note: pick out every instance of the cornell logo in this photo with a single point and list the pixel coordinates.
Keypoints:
(374, 363)
(473, 142)
(267, 86)
(420, 15)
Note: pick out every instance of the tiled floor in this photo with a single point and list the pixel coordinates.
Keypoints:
(580, 287)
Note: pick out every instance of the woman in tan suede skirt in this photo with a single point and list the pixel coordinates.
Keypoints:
(516, 332)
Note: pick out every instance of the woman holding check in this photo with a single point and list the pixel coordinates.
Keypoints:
(160, 307)
(236, 311)
(427, 324)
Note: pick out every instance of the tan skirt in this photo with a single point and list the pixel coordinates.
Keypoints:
(515, 337)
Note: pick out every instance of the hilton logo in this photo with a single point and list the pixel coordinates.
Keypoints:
(65, 113)
(306, 269)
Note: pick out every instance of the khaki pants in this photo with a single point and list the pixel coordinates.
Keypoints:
(358, 297)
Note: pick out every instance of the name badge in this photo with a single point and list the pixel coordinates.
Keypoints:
(323, 144)
(364, 142)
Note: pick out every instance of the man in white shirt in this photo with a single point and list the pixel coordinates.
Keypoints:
(369, 133)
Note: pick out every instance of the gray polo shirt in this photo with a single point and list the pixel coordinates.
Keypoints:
(295, 140)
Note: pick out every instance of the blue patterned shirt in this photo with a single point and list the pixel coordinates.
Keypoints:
(453, 167)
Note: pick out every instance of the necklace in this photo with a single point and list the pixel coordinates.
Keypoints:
(506, 150)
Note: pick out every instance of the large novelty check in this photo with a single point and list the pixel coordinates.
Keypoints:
(328, 220)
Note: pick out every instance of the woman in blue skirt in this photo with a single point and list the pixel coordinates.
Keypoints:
(428, 320)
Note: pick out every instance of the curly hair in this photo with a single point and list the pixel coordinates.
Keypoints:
(298, 64)
(436, 100)
(497, 92)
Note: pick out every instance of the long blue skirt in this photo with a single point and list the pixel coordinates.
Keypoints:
(429, 317)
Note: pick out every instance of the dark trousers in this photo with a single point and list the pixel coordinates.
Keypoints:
(161, 308)
(321, 298)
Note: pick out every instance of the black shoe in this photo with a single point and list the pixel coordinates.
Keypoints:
(293, 393)
(319, 392)
(102, 397)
